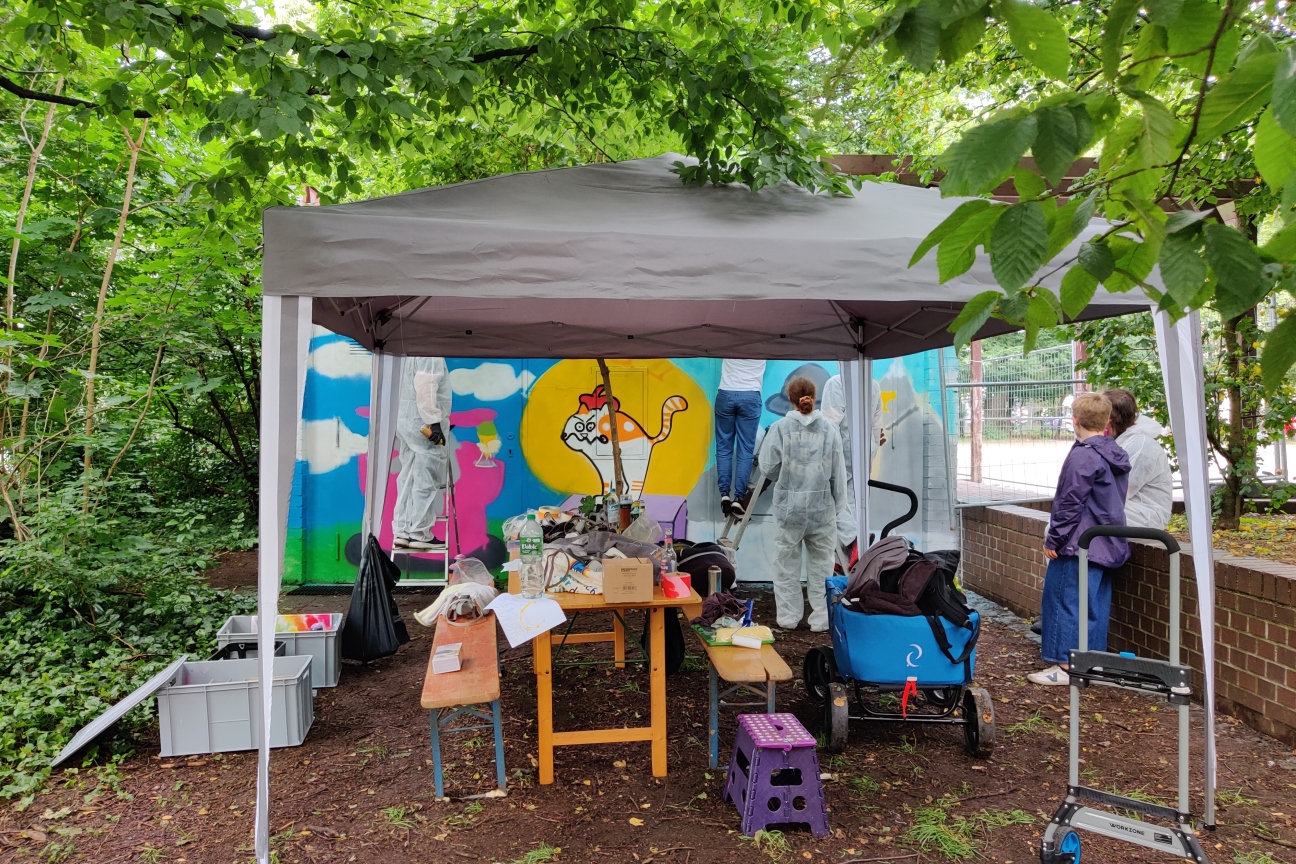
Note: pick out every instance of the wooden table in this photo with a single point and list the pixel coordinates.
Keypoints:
(542, 654)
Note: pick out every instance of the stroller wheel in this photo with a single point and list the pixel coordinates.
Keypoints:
(837, 717)
(819, 671)
(978, 723)
(943, 698)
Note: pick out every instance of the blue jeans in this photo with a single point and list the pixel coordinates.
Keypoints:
(1060, 608)
(737, 414)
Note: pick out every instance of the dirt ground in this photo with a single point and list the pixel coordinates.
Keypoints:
(360, 788)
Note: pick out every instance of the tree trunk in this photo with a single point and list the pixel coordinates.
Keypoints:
(618, 473)
(97, 328)
(1239, 438)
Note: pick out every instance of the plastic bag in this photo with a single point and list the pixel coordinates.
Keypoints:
(374, 627)
(644, 530)
(470, 570)
(512, 527)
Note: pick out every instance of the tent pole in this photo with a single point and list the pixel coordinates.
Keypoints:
(862, 454)
(384, 405)
(285, 343)
(1179, 348)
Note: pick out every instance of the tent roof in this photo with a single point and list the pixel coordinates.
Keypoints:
(575, 262)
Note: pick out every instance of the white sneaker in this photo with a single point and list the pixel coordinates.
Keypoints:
(428, 545)
(401, 542)
(1054, 676)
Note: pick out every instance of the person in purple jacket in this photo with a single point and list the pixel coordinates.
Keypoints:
(1090, 491)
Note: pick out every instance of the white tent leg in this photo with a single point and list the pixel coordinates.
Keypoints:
(863, 453)
(1180, 348)
(384, 403)
(285, 342)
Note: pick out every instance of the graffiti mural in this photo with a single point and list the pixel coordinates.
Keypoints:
(530, 432)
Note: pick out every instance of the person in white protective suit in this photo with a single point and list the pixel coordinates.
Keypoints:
(1151, 490)
(422, 427)
(802, 456)
(834, 408)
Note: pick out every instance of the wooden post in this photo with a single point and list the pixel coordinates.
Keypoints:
(618, 473)
(978, 401)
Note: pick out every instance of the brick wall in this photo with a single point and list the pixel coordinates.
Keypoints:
(1003, 559)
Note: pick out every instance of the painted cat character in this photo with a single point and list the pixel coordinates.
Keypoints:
(589, 431)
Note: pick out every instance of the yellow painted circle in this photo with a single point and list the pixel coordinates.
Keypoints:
(648, 391)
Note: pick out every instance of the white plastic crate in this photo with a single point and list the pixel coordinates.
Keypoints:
(212, 706)
(323, 645)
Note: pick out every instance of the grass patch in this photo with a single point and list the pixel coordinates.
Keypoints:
(1234, 798)
(772, 843)
(936, 830)
(863, 784)
(1255, 856)
(542, 854)
(1036, 724)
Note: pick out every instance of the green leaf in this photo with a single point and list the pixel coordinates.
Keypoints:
(957, 252)
(1284, 91)
(954, 10)
(1163, 12)
(975, 313)
(1182, 220)
(1237, 266)
(976, 161)
(1038, 37)
(961, 214)
(1275, 150)
(1039, 314)
(1066, 224)
(1237, 98)
(1078, 287)
(215, 16)
(1149, 56)
(1027, 183)
(1119, 18)
(1018, 245)
(1183, 270)
(1281, 246)
(1057, 143)
(1132, 258)
(918, 35)
(1191, 33)
(959, 38)
(1279, 353)
(1097, 260)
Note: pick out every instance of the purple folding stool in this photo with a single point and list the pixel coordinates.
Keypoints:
(774, 775)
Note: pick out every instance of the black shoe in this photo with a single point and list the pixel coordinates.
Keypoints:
(725, 504)
(736, 510)
(1037, 627)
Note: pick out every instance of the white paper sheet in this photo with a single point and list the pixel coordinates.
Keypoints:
(523, 619)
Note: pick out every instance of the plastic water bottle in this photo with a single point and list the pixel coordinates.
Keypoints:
(668, 550)
(531, 576)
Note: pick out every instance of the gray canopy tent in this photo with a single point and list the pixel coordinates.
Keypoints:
(622, 260)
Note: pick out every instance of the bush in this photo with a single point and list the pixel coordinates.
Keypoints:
(90, 607)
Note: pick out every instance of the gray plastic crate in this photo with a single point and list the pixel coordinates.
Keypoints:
(323, 645)
(211, 706)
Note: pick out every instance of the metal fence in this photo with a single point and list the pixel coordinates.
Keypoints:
(1014, 423)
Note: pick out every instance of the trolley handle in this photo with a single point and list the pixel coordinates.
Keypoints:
(913, 504)
(1162, 537)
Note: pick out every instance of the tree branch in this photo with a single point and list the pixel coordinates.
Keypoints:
(498, 53)
(38, 96)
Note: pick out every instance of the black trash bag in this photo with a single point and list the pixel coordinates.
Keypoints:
(374, 627)
(675, 649)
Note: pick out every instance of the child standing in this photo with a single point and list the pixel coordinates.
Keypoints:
(1090, 491)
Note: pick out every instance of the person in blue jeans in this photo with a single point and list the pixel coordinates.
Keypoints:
(737, 415)
(1091, 491)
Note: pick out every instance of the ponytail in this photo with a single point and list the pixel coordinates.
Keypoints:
(801, 393)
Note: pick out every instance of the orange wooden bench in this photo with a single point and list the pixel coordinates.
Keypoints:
(749, 671)
(451, 695)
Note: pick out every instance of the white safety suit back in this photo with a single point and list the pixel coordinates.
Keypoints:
(802, 454)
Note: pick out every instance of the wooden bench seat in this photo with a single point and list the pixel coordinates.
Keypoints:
(749, 671)
(451, 695)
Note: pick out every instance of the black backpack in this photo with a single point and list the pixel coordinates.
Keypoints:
(697, 558)
(943, 596)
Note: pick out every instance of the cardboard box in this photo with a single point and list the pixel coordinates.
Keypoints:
(627, 580)
(446, 658)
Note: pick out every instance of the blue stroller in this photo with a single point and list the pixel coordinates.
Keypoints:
(928, 659)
